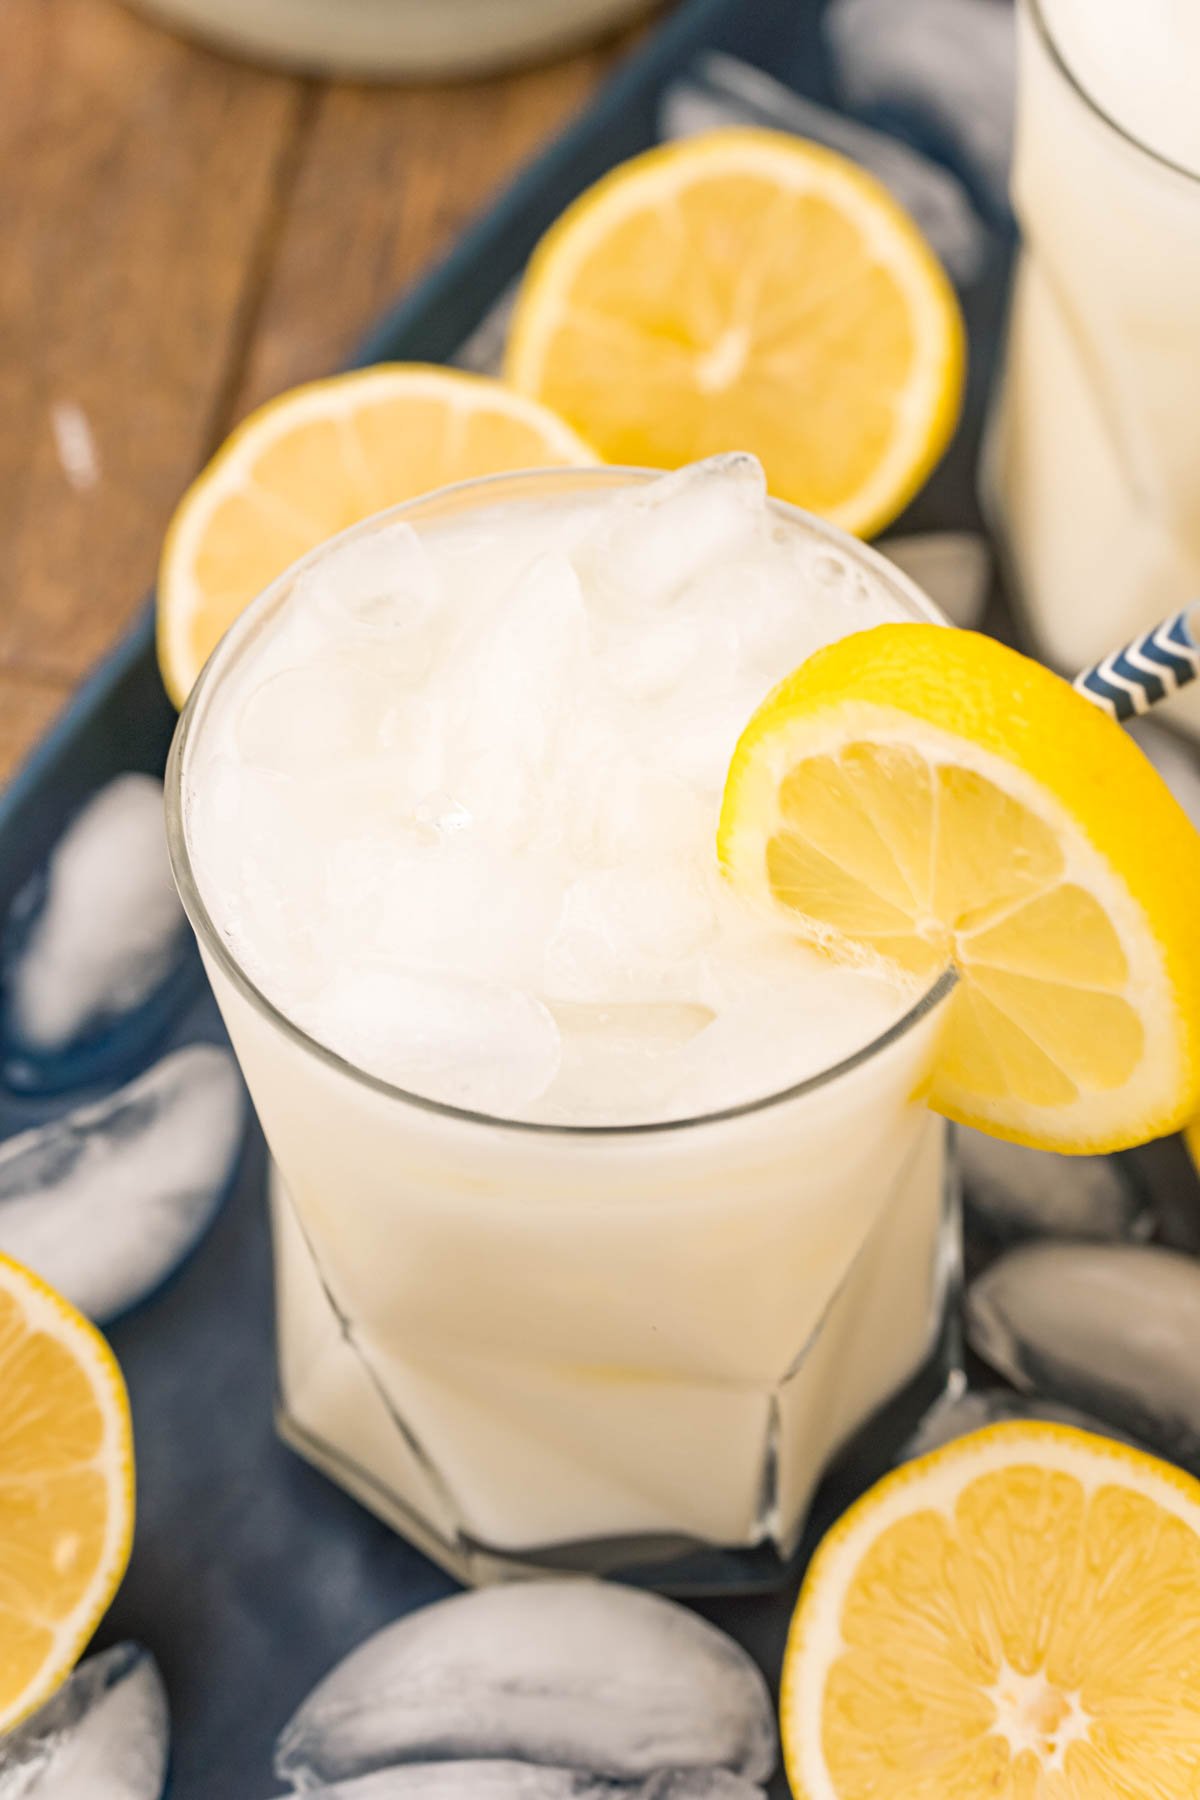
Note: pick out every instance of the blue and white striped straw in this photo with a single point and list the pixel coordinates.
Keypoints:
(1151, 668)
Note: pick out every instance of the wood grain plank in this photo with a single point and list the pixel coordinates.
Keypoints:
(387, 180)
(137, 178)
(27, 706)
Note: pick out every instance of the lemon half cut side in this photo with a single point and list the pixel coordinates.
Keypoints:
(1015, 1616)
(66, 1487)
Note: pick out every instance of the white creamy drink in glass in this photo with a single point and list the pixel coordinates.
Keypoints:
(1092, 473)
(605, 1210)
(394, 39)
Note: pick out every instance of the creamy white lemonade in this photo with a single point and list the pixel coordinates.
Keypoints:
(585, 1235)
(1093, 468)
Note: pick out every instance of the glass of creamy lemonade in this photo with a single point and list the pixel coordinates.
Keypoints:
(1092, 468)
(605, 1210)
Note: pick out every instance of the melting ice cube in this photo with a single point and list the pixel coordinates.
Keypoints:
(469, 1043)
(951, 64)
(721, 91)
(312, 719)
(622, 811)
(109, 924)
(961, 1414)
(507, 1780)
(572, 1674)
(381, 585)
(435, 893)
(623, 932)
(102, 1737)
(1013, 1192)
(1109, 1328)
(512, 692)
(765, 1044)
(620, 1062)
(106, 1201)
(656, 538)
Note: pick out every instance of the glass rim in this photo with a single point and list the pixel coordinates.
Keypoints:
(1058, 56)
(214, 943)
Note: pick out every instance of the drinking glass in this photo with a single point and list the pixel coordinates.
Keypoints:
(603, 1349)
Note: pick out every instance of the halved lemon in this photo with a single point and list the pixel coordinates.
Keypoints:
(1013, 1617)
(747, 290)
(927, 798)
(318, 459)
(66, 1487)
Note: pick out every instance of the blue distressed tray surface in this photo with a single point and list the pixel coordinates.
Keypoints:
(251, 1574)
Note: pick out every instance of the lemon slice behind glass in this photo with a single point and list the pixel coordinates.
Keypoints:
(315, 460)
(748, 290)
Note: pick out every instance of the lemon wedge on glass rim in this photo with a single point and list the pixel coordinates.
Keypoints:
(1015, 1616)
(917, 797)
(66, 1487)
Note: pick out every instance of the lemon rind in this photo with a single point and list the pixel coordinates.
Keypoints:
(46, 1310)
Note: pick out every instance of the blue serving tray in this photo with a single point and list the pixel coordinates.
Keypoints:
(251, 1574)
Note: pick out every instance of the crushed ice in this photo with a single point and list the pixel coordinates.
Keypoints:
(95, 932)
(497, 790)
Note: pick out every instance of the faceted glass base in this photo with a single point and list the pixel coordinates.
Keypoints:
(673, 1563)
(678, 1566)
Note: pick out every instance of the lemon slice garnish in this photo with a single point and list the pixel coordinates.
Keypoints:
(923, 797)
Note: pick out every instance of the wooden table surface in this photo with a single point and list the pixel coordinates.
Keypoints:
(181, 236)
